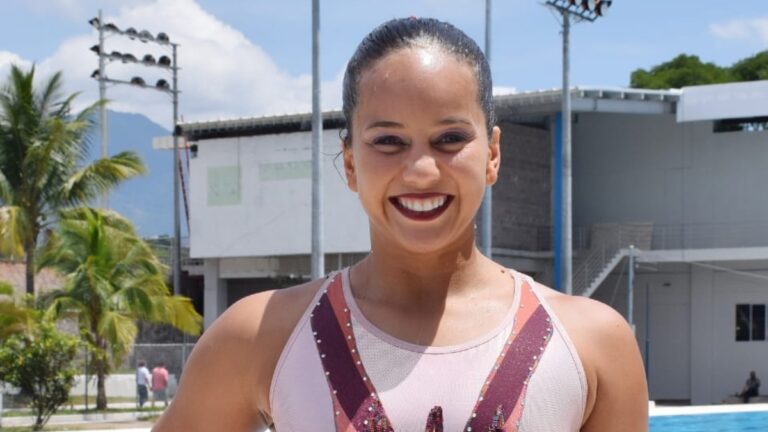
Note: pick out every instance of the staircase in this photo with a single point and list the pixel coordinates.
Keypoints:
(608, 246)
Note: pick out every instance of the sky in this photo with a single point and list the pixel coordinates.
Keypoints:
(253, 57)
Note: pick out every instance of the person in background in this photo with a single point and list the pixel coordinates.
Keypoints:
(751, 387)
(159, 384)
(143, 380)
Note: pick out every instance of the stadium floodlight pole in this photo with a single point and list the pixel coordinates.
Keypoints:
(102, 108)
(581, 10)
(486, 208)
(162, 85)
(318, 258)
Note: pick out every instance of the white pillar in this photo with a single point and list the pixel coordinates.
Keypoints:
(214, 292)
(702, 346)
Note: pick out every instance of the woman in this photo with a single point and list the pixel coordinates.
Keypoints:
(425, 333)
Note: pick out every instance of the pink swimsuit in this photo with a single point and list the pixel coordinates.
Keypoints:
(338, 372)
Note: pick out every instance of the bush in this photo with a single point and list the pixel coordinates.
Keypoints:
(41, 364)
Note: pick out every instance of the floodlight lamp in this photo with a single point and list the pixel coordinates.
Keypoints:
(96, 49)
(163, 85)
(164, 61)
(96, 74)
(193, 150)
(144, 35)
(148, 60)
(116, 55)
(94, 22)
(572, 2)
(601, 6)
(139, 81)
(132, 33)
(585, 5)
(112, 27)
(163, 38)
(129, 58)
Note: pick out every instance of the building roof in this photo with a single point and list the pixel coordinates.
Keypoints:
(15, 274)
(528, 106)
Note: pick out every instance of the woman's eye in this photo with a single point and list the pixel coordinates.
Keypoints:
(451, 141)
(388, 143)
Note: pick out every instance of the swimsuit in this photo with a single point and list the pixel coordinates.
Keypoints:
(338, 372)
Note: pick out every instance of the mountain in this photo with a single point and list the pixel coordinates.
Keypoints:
(148, 200)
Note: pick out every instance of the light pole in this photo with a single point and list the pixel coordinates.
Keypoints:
(486, 209)
(162, 85)
(318, 254)
(580, 10)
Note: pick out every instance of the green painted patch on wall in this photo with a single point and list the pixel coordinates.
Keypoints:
(223, 186)
(277, 171)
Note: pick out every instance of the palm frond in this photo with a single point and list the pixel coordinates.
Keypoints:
(119, 330)
(179, 312)
(101, 176)
(6, 190)
(14, 228)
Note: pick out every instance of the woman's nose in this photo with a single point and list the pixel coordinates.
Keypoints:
(421, 171)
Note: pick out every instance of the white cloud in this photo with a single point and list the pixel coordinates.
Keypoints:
(7, 59)
(756, 28)
(223, 74)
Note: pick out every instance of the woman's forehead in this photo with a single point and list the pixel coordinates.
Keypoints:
(418, 76)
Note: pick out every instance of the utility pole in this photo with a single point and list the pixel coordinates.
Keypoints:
(318, 257)
(103, 108)
(486, 208)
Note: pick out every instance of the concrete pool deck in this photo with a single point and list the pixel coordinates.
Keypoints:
(661, 410)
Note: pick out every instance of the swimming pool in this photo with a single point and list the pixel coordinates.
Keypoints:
(722, 422)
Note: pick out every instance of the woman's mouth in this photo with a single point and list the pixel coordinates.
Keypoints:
(421, 207)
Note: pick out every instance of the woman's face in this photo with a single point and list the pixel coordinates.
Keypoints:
(420, 155)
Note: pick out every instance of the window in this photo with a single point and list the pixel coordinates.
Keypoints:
(753, 124)
(750, 322)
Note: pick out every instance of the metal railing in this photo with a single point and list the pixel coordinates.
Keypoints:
(708, 236)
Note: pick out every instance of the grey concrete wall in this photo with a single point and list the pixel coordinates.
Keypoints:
(662, 325)
(650, 168)
(521, 196)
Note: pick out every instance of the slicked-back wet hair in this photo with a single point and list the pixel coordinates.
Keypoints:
(415, 32)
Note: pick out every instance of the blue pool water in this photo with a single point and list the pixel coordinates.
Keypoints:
(731, 422)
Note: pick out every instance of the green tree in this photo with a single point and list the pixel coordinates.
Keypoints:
(43, 152)
(751, 68)
(14, 318)
(113, 280)
(41, 364)
(683, 70)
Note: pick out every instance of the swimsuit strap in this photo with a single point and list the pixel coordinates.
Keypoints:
(356, 404)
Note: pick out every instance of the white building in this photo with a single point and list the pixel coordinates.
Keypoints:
(681, 175)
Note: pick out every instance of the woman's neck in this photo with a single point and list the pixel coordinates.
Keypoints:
(401, 278)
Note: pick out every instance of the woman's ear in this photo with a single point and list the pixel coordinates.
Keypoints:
(349, 166)
(494, 157)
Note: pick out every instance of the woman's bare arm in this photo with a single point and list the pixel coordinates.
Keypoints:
(225, 384)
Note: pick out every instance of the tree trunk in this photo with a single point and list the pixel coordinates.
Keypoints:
(101, 390)
(30, 264)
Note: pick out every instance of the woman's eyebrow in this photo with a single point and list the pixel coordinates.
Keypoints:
(454, 120)
(384, 124)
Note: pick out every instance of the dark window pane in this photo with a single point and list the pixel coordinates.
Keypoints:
(758, 322)
(742, 322)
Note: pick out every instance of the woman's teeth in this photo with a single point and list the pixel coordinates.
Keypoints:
(422, 205)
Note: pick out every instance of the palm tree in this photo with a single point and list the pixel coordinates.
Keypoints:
(43, 170)
(113, 280)
(15, 317)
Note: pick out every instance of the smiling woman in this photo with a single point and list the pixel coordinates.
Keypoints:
(425, 333)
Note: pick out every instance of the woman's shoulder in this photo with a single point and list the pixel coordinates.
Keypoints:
(231, 366)
(608, 351)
